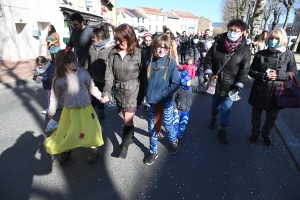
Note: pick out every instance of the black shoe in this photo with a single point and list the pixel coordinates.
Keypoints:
(222, 136)
(267, 140)
(212, 123)
(123, 151)
(173, 147)
(253, 138)
(145, 109)
(151, 158)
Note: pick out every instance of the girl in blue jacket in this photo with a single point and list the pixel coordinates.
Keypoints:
(163, 81)
(45, 68)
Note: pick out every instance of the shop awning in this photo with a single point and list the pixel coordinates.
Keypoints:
(66, 9)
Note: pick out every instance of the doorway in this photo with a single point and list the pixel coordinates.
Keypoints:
(21, 40)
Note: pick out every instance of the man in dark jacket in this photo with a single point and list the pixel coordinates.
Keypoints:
(232, 45)
(203, 40)
(81, 37)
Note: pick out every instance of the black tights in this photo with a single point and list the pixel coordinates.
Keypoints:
(183, 57)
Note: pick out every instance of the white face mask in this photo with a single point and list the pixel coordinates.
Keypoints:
(233, 36)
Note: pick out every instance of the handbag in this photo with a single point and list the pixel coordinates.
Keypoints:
(211, 85)
(288, 97)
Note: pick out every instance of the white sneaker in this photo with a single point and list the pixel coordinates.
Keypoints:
(45, 112)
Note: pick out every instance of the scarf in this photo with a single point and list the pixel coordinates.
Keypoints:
(280, 49)
(229, 47)
(101, 45)
(40, 71)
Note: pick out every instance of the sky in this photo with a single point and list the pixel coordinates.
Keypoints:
(210, 9)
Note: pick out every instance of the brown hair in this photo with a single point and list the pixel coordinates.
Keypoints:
(158, 41)
(191, 58)
(125, 31)
(60, 62)
(40, 60)
(102, 33)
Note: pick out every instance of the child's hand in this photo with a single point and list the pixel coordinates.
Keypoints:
(104, 99)
(34, 77)
(40, 77)
(50, 116)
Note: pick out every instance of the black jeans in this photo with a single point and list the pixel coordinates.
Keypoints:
(271, 116)
(53, 56)
(183, 57)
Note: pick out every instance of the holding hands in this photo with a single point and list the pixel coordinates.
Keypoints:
(104, 99)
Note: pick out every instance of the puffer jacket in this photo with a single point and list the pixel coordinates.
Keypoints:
(262, 91)
(160, 89)
(125, 75)
(48, 75)
(97, 60)
(235, 72)
(182, 99)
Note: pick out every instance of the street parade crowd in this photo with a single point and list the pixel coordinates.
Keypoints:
(102, 69)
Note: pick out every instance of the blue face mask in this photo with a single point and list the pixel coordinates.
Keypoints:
(233, 36)
(273, 43)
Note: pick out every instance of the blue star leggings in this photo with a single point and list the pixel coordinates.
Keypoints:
(181, 119)
(167, 123)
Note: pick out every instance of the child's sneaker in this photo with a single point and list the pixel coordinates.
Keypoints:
(173, 147)
(151, 158)
(45, 112)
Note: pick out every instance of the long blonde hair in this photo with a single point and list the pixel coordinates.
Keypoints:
(157, 42)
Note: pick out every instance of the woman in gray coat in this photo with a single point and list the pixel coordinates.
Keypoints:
(123, 70)
(268, 69)
(97, 60)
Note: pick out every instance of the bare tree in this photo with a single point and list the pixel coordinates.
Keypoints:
(241, 7)
(279, 10)
(288, 4)
(257, 16)
(270, 6)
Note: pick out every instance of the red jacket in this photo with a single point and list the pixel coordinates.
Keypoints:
(190, 69)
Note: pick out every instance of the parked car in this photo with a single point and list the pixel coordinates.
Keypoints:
(293, 42)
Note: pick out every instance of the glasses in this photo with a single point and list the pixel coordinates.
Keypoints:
(234, 30)
(148, 40)
(75, 61)
(121, 40)
(167, 32)
(161, 48)
(75, 25)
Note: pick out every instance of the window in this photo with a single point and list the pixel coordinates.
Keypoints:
(190, 20)
(163, 18)
(149, 17)
(142, 20)
(182, 27)
(149, 27)
(157, 18)
(156, 27)
(138, 20)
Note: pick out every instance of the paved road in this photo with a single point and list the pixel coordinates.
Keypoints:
(203, 168)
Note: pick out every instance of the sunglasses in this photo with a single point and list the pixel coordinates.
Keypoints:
(167, 32)
(75, 61)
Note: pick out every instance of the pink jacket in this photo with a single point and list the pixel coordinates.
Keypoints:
(190, 69)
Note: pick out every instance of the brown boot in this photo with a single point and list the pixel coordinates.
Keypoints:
(267, 140)
(62, 158)
(93, 153)
(253, 138)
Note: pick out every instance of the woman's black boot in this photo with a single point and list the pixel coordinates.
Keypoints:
(127, 139)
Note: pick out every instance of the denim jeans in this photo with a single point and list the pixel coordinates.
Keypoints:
(222, 105)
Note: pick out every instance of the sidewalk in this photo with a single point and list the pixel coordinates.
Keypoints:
(13, 73)
(17, 73)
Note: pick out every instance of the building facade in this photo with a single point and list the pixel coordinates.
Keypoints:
(296, 23)
(156, 18)
(24, 23)
(204, 23)
(188, 21)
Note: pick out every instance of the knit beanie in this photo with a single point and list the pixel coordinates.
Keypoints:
(184, 79)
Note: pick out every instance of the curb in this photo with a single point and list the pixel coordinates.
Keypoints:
(292, 143)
